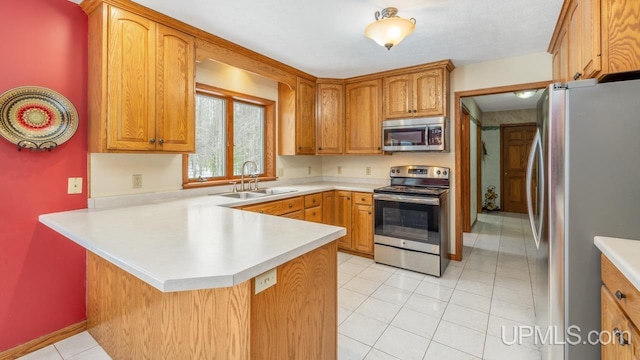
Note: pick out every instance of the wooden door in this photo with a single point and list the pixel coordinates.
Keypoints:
(465, 165)
(397, 97)
(363, 117)
(305, 117)
(479, 152)
(175, 98)
(131, 66)
(343, 217)
(427, 93)
(362, 228)
(330, 119)
(613, 319)
(329, 207)
(515, 143)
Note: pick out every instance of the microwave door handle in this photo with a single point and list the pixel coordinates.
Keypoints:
(536, 146)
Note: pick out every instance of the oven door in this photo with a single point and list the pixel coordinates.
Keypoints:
(410, 222)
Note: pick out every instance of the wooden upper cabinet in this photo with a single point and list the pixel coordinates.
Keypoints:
(330, 118)
(131, 67)
(620, 36)
(363, 117)
(297, 118)
(175, 98)
(415, 94)
(600, 37)
(141, 84)
(397, 96)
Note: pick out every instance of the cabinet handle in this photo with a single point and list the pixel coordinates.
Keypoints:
(369, 212)
(313, 201)
(620, 295)
(320, 148)
(313, 214)
(161, 141)
(415, 111)
(261, 211)
(577, 76)
(361, 199)
(290, 206)
(379, 148)
(620, 336)
(348, 198)
(299, 147)
(409, 111)
(152, 140)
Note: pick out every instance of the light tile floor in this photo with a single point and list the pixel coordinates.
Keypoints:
(389, 313)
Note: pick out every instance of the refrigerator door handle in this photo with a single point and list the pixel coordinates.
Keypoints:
(536, 146)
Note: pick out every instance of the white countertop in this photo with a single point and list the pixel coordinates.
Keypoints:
(624, 254)
(197, 243)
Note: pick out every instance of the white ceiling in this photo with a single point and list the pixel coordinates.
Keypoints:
(506, 101)
(326, 38)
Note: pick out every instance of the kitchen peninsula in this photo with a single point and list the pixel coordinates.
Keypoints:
(175, 280)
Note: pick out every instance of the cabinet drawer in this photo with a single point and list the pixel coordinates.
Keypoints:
(313, 214)
(279, 207)
(312, 200)
(362, 198)
(299, 215)
(625, 294)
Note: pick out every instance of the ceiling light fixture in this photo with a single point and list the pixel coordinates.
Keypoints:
(389, 29)
(525, 94)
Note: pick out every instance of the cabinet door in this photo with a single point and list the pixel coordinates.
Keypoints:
(613, 321)
(343, 217)
(362, 228)
(329, 207)
(590, 56)
(175, 104)
(397, 97)
(427, 93)
(564, 56)
(620, 48)
(131, 65)
(575, 41)
(305, 117)
(330, 119)
(634, 340)
(364, 117)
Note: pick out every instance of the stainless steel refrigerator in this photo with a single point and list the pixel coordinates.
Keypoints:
(583, 180)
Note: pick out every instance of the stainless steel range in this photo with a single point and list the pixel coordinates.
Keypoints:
(412, 219)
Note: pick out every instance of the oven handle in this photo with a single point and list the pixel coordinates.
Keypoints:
(407, 199)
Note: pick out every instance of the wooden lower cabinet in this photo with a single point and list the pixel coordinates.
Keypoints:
(354, 211)
(620, 301)
(342, 217)
(313, 208)
(294, 319)
(279, 207)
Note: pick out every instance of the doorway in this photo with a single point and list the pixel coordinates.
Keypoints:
(462, 176)
(515, 143)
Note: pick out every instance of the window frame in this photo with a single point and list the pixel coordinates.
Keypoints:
(269, 138)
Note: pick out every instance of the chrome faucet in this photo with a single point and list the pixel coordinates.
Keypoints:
(244, 165)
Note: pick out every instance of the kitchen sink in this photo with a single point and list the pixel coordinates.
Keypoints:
(244, 195)
(272, 191)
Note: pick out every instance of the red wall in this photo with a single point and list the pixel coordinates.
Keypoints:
(42, 274)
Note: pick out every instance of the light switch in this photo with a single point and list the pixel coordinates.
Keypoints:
(74, 185)
(266, 280)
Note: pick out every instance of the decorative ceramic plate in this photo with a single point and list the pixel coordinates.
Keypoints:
(36, 118)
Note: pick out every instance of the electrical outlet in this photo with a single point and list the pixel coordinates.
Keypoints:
(266, 280)
(367, 170)
(339, 170)
(309, 170)
(136, 180)
(74, 185)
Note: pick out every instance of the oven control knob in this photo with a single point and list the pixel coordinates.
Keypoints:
(438, 172)
(445, 172)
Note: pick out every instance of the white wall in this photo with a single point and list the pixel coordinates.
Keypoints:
(110, 174)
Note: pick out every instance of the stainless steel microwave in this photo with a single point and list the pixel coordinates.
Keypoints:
(420, 134)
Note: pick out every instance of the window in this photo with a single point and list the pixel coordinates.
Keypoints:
(231, 128)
